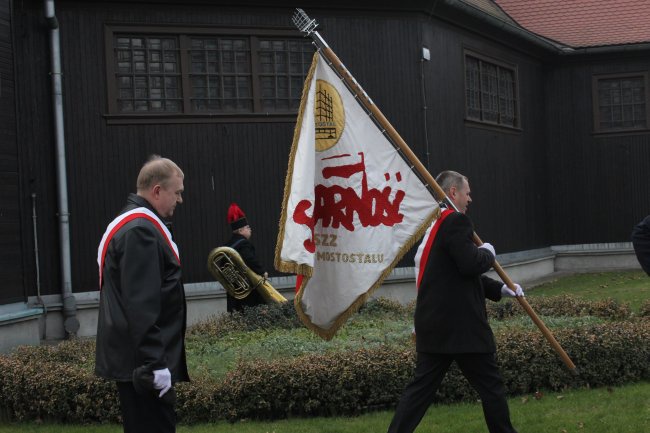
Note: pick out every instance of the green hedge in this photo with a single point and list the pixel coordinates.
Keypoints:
(57, 384)
(561, 305)
(265, 316)
(50, 384)
(644, 310)
(350, 383)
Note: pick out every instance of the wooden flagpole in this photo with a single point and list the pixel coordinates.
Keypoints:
(308, 26)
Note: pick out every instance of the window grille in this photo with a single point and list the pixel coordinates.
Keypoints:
(178, 72)
(147, 74)
(490, 92)
(621, 102)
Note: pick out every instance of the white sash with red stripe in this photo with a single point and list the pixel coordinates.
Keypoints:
(116, 225)
(422, 254)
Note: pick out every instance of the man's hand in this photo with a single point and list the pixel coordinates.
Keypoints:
(162, 380)
(488, 246)
(506, 291)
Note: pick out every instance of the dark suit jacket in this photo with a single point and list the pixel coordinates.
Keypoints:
(142, 312)
(450, 314)
(641, 242)
(247, 252)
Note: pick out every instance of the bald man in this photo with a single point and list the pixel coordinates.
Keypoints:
(451, 322)
(142, 311)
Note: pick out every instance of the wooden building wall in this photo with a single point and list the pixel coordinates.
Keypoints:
(223, 162)
(36, 151)
(11, 257)
(599, 183)
(505, 166)
(515, 205)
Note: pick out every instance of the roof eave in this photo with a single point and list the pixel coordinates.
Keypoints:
(510, 28)
(542, 42)
(606, 49)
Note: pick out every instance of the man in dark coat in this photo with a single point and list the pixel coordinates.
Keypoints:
(450, 315)
(641, 243)
(240, 242)
(142, 310)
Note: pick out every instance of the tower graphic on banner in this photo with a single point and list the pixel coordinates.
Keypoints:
(324, 113)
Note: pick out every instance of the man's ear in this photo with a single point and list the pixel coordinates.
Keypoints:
(452, 192)
(155, 191)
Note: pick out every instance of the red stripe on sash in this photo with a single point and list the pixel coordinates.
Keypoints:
(119, 226)
(427, 247)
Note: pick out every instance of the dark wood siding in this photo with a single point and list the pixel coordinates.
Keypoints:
(519, 177)
(11, 257)
(505, 166)
(598, 182)
(223, 162)
(36, 151)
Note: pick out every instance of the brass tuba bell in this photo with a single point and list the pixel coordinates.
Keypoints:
(226, 266)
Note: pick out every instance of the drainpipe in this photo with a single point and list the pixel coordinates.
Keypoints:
(70, 322)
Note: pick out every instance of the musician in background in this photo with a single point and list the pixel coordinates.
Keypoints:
(241, 233)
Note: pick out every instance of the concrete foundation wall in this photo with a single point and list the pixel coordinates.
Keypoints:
(32, 323)
(19, 326)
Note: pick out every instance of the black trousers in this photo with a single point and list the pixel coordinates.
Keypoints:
(145, 413)
(481, 371)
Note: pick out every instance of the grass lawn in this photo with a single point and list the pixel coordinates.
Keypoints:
(632, 287)
(623, 409)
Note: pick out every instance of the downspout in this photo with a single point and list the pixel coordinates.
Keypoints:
(70, 322)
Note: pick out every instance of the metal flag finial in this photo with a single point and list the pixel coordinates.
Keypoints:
(302, 21)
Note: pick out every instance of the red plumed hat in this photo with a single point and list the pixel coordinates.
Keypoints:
(236, 217)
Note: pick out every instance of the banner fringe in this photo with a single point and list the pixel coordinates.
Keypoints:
(278, 263)
(328, 333)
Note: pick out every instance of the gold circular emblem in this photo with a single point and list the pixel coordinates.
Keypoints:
(329, 116)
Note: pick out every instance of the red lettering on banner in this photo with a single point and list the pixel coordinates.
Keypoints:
(336, 205)
(300, 217)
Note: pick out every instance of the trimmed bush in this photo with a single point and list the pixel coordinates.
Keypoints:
(562, 305)
(316, 385)
(349, 383)
(384, 307)
(57, 384)
(644, 311)
(265, 316)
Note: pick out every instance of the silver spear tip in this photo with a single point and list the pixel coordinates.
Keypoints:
(302, 21)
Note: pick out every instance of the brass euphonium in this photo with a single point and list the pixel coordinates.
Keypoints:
(226, 266)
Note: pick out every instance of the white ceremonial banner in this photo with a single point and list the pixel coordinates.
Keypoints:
(352, 206)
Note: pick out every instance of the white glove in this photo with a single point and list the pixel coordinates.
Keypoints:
(505, 291)
(162, 380)
(488, 246)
